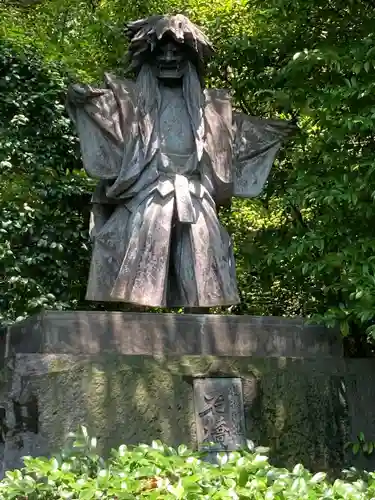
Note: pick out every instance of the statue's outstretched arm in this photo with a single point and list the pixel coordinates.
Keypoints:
(80, 94)
(101, 117)
(256, 144)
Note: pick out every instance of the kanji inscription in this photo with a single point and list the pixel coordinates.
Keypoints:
(219, 413)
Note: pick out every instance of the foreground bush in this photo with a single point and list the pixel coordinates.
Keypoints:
(160, 472)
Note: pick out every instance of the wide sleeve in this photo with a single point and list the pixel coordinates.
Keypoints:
(103, 118)
(255, 145)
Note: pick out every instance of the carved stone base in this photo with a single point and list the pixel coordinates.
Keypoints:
(132, 377)
(95, 332)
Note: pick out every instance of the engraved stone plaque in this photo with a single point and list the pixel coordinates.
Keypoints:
(219, 414)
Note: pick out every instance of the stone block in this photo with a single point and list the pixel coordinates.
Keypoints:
(219, 414)
(130, 378)
(95, 332)
(293, 406)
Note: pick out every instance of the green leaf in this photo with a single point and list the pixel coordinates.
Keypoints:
(318, 477)
(182, 449)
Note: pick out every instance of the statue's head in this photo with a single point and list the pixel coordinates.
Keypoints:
(168, 44)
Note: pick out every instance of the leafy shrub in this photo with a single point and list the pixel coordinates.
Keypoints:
(159, 471)
(361, 445)
(44, 194)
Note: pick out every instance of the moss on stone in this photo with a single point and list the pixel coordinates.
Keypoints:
(290, 405)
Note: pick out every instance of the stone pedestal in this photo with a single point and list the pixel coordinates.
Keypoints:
(130, 378)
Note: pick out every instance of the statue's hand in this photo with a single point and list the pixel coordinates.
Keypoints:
(79, 94)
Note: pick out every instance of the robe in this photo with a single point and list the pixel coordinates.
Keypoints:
(157, 240)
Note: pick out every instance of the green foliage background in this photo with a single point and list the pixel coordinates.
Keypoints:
(305, 247)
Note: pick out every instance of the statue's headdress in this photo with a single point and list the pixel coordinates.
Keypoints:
(145, 34)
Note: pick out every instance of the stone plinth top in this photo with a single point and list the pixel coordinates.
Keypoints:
(150, 334)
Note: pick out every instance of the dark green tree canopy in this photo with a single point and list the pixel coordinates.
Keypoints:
(305, 247)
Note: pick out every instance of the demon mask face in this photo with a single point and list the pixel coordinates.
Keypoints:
(169, 59)
(167, 44)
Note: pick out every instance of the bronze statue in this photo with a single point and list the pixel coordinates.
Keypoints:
(167, 153)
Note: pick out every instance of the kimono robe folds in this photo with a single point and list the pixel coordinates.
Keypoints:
(156, 237)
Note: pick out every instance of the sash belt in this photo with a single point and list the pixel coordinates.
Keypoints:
(184, 204)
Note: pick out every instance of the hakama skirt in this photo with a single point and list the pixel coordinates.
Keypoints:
(147, 257)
